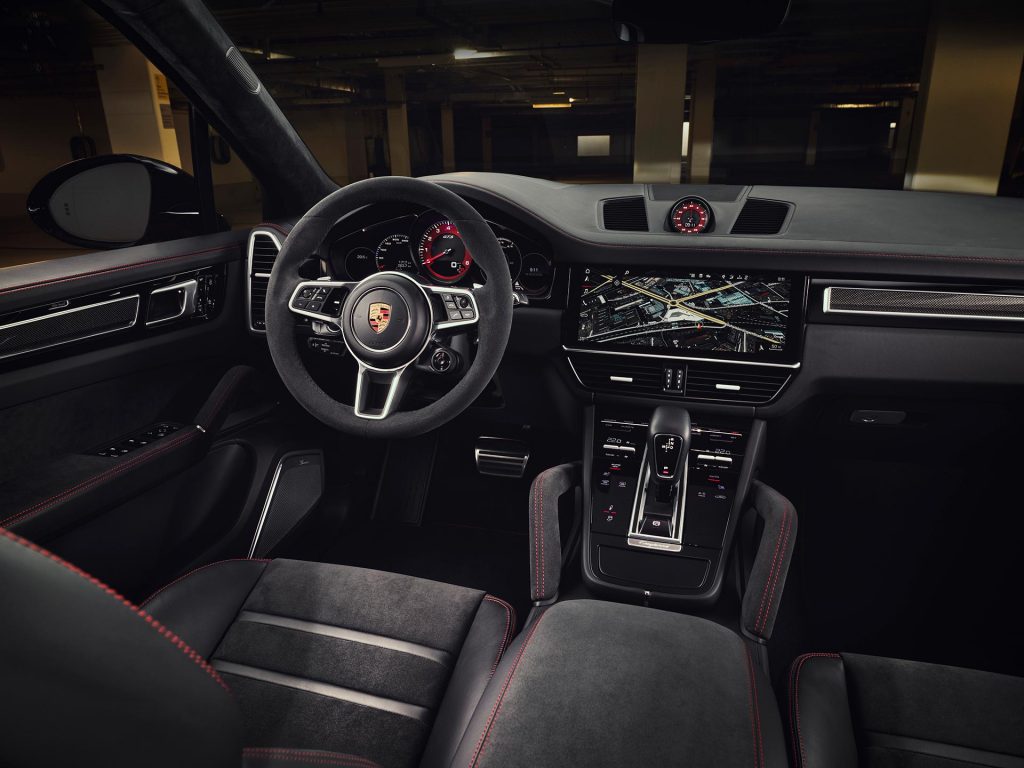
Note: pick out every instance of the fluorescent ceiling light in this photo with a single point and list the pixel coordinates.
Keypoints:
(464, 54)
(260, 52)
(558, 93)
(553, 105)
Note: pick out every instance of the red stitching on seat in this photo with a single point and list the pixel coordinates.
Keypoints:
(105, 475)
(184, 576)
(107, 270)
(537, 549)
(164, 631)
(772, 569)
(788, 525)
(543, 564)
(496, 709)
(310, 756)
(755, 714)
(510, 624)
(796, 737)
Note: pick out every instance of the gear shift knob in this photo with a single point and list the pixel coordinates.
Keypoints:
(668, 441)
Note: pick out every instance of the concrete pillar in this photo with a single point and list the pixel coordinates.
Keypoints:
(355, 142)
(660, 91)
(136, 103)
(398, 125)
(702, 121)
(811, 156)
(447, 138)
(969, 84)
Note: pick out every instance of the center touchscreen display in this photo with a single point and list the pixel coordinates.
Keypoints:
(700, 314)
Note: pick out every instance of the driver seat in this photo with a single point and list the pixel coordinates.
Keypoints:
(240, 663)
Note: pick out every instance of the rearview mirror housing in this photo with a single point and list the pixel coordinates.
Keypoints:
(114, 201)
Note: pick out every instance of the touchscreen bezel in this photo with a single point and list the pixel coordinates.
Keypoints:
(789, 356)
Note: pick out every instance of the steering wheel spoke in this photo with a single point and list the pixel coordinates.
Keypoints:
(320, 299)
(379, 393)
(460, 307)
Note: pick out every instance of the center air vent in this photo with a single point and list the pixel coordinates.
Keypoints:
(625, 214)
(263, 249)
(760, 217)
(669, 379)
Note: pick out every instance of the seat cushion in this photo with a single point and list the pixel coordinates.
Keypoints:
(600, 684)
(342, 660)
(849, 710)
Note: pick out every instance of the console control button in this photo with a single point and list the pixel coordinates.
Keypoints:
(656, 525)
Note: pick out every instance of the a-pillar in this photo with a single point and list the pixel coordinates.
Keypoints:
(660, 92)
(136, 104)
(969, 83)
(702, 120)
(398, 125)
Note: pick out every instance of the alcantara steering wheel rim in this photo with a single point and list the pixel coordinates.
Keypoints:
(413, 320)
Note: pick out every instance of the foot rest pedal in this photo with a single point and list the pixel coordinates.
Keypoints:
(501, 457)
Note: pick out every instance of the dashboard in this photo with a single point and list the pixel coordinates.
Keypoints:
(425, 243)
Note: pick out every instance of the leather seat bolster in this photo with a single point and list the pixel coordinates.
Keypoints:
(821, 727)
(202, 604)
(489, 635)
(90, 679)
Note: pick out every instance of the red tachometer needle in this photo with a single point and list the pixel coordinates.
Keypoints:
(431, 259)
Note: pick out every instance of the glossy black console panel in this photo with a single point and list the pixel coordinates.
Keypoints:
(619, 561)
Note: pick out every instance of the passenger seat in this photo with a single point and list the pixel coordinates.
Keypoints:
(848, 710)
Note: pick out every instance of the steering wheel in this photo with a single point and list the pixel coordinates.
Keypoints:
(389, 321)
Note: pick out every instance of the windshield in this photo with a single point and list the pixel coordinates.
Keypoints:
(835, 97)
(874, 94)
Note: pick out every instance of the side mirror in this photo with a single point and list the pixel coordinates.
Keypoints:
(115, 201)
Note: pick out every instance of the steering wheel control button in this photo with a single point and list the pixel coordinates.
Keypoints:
(443, 360)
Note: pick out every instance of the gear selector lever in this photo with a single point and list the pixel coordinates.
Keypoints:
(668, 442)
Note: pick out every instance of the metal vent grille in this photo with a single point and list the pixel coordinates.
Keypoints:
(760, 217)
(733, 386)
(68, 326)
(625, 214)
(914, 303)
(263, 249)
(241, 69)
(669, 379)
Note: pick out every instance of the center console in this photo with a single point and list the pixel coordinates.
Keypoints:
(663, 505)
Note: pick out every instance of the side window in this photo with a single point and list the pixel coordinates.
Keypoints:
(66, 185)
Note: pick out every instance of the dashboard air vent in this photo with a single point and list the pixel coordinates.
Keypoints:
(626, 214)
(671, 380)
(608, 373)
(731, 385)
(263, 249)
(760, 217)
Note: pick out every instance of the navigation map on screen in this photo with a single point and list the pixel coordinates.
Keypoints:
(725, 313)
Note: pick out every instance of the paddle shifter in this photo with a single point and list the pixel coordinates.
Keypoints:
(668, 443)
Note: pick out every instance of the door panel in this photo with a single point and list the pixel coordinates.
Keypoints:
(63, 407)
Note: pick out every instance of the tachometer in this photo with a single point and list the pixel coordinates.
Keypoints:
(513, 256)
(443, 254)
(691, 216)
(394, 254)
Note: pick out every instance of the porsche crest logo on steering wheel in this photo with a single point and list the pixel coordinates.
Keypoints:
(380, 316)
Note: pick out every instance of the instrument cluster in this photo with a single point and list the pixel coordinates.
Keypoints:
(429, 245)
